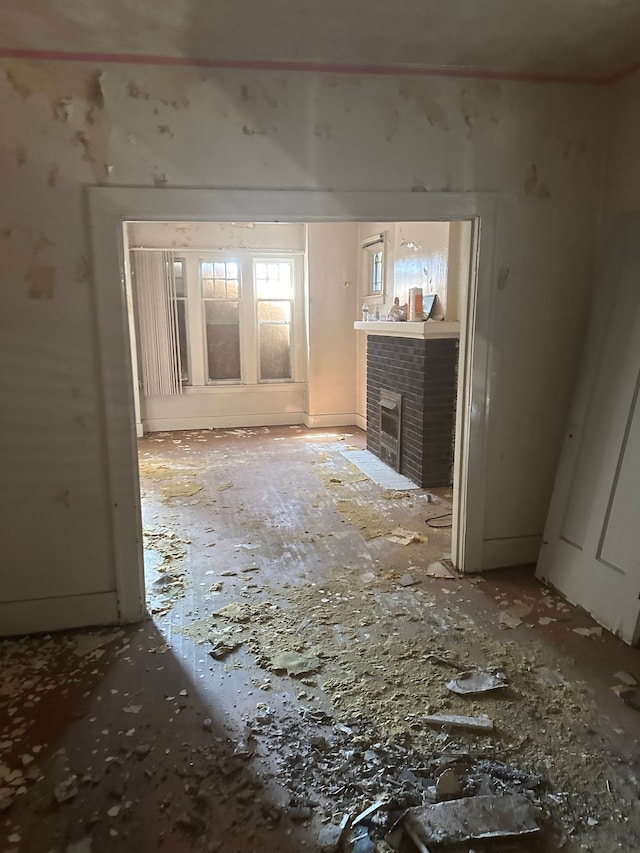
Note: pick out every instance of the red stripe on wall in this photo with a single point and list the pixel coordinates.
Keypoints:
(98, 58)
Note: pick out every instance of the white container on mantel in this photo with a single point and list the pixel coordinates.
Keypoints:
(427, 329)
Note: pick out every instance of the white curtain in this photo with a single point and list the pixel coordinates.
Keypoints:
(158, 321)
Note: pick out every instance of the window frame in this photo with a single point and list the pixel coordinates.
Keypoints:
(259, 259)
(248, 318)
(184, 297)
(226, 258)
(370, 247)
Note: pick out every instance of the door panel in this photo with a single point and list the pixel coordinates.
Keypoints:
(592, 537)
(621, 540)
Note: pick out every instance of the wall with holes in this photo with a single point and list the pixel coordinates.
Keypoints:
(67, 125)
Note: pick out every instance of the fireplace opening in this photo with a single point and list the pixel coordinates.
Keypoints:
(390, 427)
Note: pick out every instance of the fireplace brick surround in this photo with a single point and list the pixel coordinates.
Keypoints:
(424, 372)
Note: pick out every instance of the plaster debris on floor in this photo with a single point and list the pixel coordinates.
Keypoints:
(315, 675)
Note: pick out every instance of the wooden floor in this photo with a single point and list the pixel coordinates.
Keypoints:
(160, 746)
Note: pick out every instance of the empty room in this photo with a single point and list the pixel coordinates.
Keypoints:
(320, 353)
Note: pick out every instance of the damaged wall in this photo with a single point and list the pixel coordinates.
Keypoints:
(66, 125)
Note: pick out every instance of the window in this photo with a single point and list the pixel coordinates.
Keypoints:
(372, 275)
(274, 295)
(181, 314)
(220, 283)
(376, 272)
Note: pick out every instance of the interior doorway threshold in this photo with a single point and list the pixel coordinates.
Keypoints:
(378, 471)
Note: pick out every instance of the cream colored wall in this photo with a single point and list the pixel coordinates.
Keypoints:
(333, 300)
(420, 260)
(218, 235)
(415, 256)
(68, 125)
(458, 268)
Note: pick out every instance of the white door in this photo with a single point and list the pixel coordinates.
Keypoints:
(591, 546)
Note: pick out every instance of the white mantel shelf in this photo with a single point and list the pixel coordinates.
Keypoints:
(428, 329)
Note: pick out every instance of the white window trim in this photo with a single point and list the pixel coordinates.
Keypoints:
(249, 352)
(297, 317)
(368, 248)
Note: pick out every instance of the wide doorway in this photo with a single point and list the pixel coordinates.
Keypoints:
(331, 311)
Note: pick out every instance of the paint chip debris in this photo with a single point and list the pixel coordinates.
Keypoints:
(588, 632)
(406, 537)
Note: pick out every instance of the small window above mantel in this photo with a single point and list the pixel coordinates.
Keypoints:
(373, 266)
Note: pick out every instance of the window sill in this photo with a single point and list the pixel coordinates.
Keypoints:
(259, 388)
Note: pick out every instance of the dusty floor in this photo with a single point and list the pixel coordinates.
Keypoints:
(284, 675)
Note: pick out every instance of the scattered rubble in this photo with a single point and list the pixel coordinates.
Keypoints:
(406, 537)
(471, 819)
(439, 570)
(378, 748)
(626, 678)
(457, 721)
(508, 620)
(473, 682)
(629, 695)
(295, 664)
(588, 632)
(66, 790)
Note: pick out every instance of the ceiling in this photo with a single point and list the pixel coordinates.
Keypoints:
(586, 39)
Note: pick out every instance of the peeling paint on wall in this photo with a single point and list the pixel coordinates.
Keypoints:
(503, 277)
(62, 86)
(82, 270)
(480, 100)
(249, 131)
(40, 244)
(428, 104)
(94, 148)
(59, 83)
(41, 281)
(63, 109)
(44, 105)
(533, 186)
(168, 90)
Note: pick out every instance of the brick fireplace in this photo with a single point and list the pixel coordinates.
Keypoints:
(424, 373)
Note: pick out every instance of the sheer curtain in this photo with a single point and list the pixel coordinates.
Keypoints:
(158, 321)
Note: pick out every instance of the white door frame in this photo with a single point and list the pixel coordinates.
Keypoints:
(111, 207)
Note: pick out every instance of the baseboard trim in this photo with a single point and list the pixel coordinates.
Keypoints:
(361, 422)
(58, 614)
(512, 551)
(330, 420)
(223, 422)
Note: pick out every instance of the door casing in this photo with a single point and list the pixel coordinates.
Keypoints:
(112, 207)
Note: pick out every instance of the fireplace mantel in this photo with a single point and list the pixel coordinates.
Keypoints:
(436, 329)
